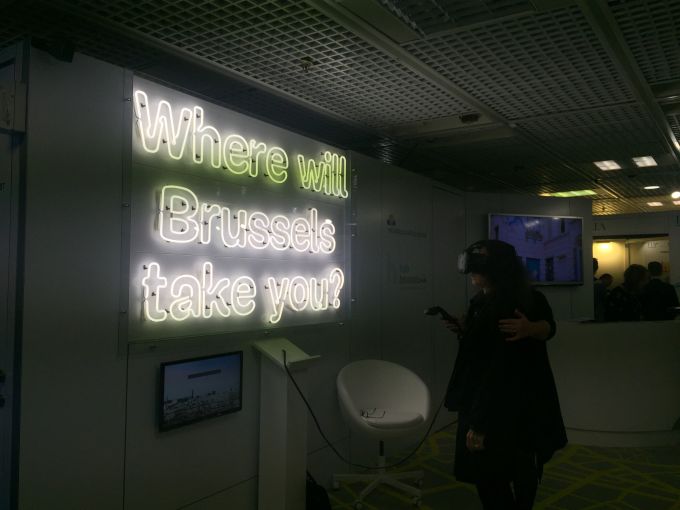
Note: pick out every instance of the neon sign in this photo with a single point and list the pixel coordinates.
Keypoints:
(236, 225)
(164, 129)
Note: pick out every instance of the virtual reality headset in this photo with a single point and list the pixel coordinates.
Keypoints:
(473, 260)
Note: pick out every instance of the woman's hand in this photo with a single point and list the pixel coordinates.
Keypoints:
(454, 326)
(474, 441)
(519, 327)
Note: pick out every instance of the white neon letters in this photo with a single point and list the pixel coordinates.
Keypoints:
(187, 296)
(265, 257)
(182, 218)
(299, 293)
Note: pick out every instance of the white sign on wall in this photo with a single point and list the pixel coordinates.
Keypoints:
(236, 224)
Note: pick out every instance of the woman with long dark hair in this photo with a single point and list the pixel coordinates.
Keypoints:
(509, 420)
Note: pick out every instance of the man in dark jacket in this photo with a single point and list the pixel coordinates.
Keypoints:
(659, 298)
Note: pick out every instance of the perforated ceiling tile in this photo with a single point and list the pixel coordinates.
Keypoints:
(46, 22)
(608, 207)
(434, 16)
(674, 123)
(635, 187)
(288, 46)
(633, 205)
(609, 133)
(651, 30)
(529, 66)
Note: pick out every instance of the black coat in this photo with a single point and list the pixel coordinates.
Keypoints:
(658, 299)
(505, 390)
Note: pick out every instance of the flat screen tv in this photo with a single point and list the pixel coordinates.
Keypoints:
(551, 247)
(199, 388)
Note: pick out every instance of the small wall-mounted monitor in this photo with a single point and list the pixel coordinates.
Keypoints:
(551, 247)
(199, 388)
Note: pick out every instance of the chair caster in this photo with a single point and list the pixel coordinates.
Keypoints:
(358, 505)
(417, 502)
(335, 485)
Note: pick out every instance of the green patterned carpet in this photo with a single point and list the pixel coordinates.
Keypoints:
(578, 478)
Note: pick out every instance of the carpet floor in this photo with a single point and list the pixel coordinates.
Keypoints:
(577, 478)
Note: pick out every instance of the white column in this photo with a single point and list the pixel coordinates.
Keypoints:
(283, 427)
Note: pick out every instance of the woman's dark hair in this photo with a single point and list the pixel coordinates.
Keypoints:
(505, 272)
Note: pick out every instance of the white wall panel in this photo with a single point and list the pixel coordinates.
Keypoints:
(448, 286)
(406, 268)
(366, 257)
(73, 380)
(178, 467)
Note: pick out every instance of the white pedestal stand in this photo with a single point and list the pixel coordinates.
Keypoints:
(283, 427)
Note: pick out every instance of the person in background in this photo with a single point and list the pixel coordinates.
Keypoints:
(606, 281)
(658, 297)
(502, 386)
(624, 303)
(599, 295)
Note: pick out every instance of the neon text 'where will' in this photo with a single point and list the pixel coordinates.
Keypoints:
(183, 133)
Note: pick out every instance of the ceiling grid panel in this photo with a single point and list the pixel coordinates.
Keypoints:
(528, 66)
(291, 47)
(552, 95)
(619, 132)
(651, 30)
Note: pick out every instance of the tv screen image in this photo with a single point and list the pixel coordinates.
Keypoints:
(551, 247)
(199, 388)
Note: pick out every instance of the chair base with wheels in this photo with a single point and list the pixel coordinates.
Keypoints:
(381, 477)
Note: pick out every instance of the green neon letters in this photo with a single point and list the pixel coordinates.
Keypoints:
(184, 134)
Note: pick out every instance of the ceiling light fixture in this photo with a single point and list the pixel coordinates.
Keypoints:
(654, 204)
(607, 165)
(644, 161)
(652, 187)
(676, 202)
(570, 194)
(675, 194)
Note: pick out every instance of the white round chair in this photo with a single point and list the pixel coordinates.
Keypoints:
(382, 400)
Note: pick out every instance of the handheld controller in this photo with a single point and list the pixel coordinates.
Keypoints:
(434, 310)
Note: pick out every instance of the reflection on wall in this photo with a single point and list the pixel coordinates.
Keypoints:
(645, 251)
(612, 259)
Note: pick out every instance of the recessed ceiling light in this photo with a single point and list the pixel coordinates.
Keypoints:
(676, 202)
(607, 165)
(654, 204)
(569, 194)
(644, 161)
(652, 187)
(675, 194)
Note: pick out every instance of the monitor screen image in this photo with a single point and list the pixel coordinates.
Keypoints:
(199, 388)
(551, 247)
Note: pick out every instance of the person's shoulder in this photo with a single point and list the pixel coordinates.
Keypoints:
(535, 292)
(538, 298)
